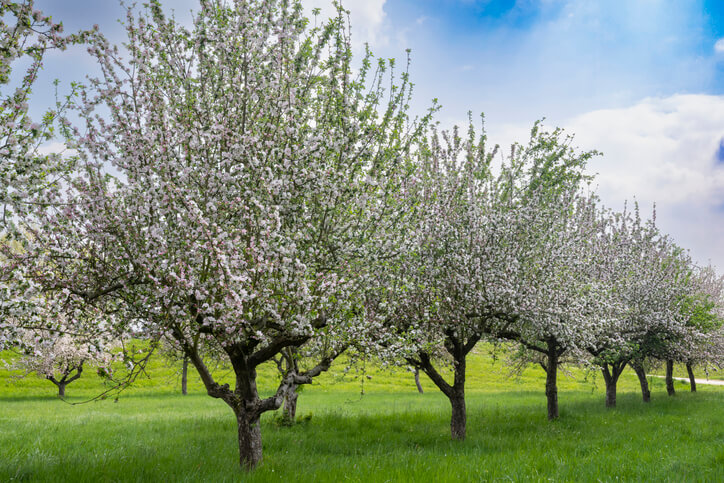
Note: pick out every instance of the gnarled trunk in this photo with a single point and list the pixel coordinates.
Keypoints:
(670, 377)
(288, 366)
(459, 417)
(184, 376)
(290, 404)
(66, 379)
(250, 448)
(639, 369)
(455, 392)
(244, 399)
(692, 380)
(611, 373)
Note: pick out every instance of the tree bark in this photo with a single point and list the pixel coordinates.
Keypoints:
(610, 387)
(66, 379)
(184, 376)
(611, 394)
(670, 377)
(459, 418)
(290, 404)
(287, 365)
(692, 380)
(458, 349)
(244, 399)
(458, 421)
(455, 392)
(611, 373)
(639, 369)
(417, 381)
(552, 380)
(250, 448)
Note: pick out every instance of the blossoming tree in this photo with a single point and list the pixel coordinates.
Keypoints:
(235, 178)
(554, 304)
(421, 295)
(61, 358)
(26, 34)
(644, 273)
(479, 256)
(703, 311)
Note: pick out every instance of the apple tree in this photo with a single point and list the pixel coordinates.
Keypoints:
(235, 179)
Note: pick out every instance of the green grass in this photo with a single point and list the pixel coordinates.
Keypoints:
(390, 433)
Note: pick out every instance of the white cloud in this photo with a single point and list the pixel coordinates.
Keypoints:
(660, 151)
(575, 57)
(663, 151)
(719, 46)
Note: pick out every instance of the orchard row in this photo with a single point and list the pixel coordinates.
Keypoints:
(240, 190)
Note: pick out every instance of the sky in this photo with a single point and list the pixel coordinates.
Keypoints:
(642, 81)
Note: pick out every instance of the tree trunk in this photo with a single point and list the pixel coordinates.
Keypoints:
(670, 377)
(645, 392)
(458, 420)
(290, 404)
(552, 381)
(611, 395)
(250, 449)
(455, 392)
(417, 381)
(184, 376)
(610, 387)
(692, 381)
(66, 379)
(611, 373)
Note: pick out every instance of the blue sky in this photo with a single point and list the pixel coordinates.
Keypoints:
(559, 58)
(640, 80)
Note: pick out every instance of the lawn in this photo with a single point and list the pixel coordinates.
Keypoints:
(389, 433)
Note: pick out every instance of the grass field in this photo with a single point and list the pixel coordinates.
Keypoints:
(390, 433)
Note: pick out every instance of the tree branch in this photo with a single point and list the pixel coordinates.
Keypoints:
(426, 365)
(274, 347)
